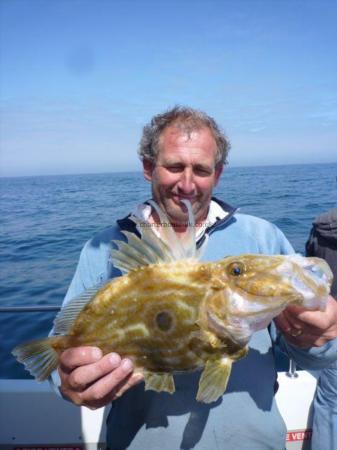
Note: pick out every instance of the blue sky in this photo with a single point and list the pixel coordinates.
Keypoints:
(80, 78)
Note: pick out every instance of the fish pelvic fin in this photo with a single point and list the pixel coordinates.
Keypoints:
(152, 249)
(214, 379)
(159, 382)
(38, 357)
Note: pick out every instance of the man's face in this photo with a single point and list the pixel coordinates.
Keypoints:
(184, 169)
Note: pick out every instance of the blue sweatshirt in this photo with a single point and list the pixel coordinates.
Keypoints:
(246, 417)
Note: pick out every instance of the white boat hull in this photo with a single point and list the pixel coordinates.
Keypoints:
(33, 417)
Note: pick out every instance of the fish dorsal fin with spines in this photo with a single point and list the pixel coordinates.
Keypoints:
(151, 249)
(169, 236)
(190, 236)
(68, 314)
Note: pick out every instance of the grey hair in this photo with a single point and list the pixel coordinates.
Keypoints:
(187, 120)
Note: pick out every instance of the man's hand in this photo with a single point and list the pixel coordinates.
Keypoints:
(306, 328)
(90, 379)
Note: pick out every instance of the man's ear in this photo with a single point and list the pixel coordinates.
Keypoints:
(148, 167)
(218, 172)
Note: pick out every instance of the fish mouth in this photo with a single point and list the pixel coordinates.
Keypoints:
(249, 306)
(216, 324)
(311, 280)
(321, 273)
(315, 268)
(239, 335)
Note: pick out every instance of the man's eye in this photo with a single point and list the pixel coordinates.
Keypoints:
(174, 169)
(201, 172)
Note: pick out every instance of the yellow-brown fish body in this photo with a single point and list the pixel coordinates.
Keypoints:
(171, 313)
(154, 316)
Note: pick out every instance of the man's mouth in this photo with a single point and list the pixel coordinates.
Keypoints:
(178, 198)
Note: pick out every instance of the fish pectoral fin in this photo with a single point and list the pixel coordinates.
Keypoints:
(207, 336)
(214, 379)
(213, 340)
(159, 382)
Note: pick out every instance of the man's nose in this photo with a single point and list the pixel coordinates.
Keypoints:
(186, 182)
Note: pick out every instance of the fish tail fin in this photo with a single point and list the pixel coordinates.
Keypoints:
(38, 357)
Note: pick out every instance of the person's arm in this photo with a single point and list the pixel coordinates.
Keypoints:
(311, 244)
(308, 337)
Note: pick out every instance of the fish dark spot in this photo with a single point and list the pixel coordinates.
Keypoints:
(164, 321)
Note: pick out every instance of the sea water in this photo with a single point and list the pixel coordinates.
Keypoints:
(46, 220)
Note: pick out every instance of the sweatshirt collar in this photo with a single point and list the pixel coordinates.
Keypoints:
(219, 214)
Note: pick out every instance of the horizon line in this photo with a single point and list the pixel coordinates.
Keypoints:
(227, 166)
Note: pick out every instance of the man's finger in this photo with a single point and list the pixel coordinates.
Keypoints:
(304, 315)
(282, 323)
(316, 321)
(134, 379)
(129, 382)
(108, 384)
(79, 356)
(293, 321)
(81, 377)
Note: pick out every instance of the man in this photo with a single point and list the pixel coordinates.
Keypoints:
(183, 153)
(322, 242)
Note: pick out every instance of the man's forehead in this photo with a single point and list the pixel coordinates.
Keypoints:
(174, 136)
(184, 132)
(199, 150)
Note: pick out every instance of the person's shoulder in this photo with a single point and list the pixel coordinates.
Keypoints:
(95, 259)
(105, 236)
(102, 241)
(269, 237)
(253, 222)
(233, 217)
(327, 218)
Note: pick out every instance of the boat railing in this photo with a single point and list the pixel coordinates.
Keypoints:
(292, 371)
(44, 308)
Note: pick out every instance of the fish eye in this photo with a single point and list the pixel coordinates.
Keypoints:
(236, 269)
